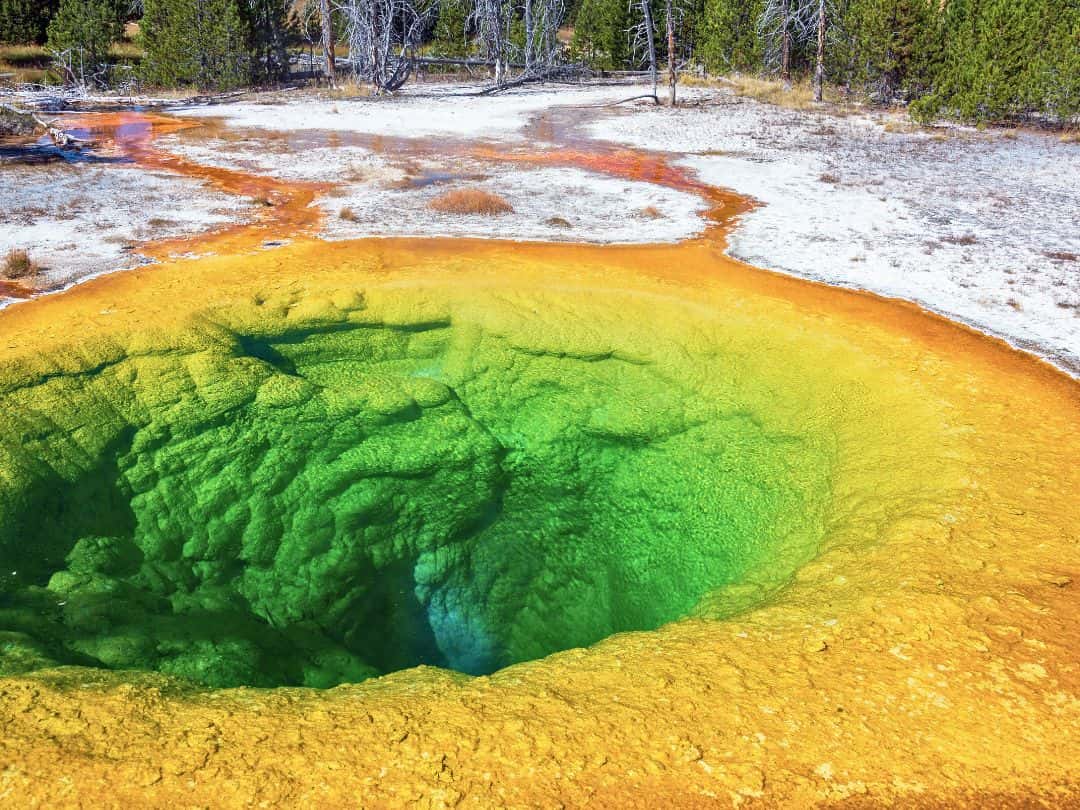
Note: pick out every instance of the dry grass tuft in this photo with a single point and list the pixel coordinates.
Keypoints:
(19, 265)
(900, 127)
(29, 63)
(1070, 136)
(347, 90)
(651, 212)
(558, 222)
(471, 201)
(965, 239)
(356, 173)
(1061, 255)
(693, 80)
(831, 179)
(795, 96)
(348, 215)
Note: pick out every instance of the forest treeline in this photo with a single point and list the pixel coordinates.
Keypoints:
(971, 59)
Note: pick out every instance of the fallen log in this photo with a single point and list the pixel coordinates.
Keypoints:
(634, 98)
(462, 62)
(14, 121)
(561, 73)
(65, 141)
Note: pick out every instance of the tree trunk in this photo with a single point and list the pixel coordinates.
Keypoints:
(528, 35)
(328, 41)
(670, 51)
(646, 10)
(819, 68)
(785, 52)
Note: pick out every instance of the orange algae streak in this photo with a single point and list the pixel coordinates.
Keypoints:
(13, 289)
(284, 207)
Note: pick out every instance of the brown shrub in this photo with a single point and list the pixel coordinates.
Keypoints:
(965, 239)
(832, 179)
(18, 264)
(651, 212)
(355, 173)
(471, 201)
(1061, 255)
(348, 215)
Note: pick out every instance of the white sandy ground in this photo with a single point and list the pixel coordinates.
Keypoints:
(550, 204)
(961, 222)
(81, 219)
(264, 156)
(421, 111)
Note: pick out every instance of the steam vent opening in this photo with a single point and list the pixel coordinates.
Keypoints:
(270, 500)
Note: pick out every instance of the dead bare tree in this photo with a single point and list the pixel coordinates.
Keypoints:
(669, 16)
(782, 24)
(528, 34)
(819, 66)
(643, 38)
(326, 21)
(382, 36)
(80, 70)
(491, 20)
(542, 20)
(302, 13)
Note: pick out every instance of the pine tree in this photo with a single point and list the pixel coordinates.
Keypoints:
(25, 21)
(195, 42)
(1059, 65)
(891, 46)
(451, 28)
(81, 33)
(600, 33)
(1007, 59)
(957, 68)
(729, 38)
(265, 23)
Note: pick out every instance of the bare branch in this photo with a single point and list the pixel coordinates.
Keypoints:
(382, 36)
